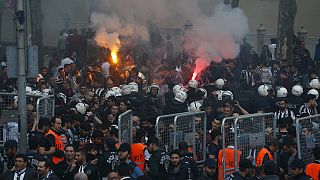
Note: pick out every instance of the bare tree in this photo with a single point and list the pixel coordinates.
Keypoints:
(286, 19)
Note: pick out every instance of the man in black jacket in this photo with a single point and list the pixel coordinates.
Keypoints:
(177, 169)
(85, 167)
(245, 170)
(159, 160)
(297, 170)
(210, 170)
(65, 167)
(45, 170)
(20, 170)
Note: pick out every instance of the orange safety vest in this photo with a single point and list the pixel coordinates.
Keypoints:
(58, 145)
(137, 155)
(229, 162)
(261, 155)
(313, 170)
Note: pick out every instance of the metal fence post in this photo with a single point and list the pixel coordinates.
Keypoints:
(236, 144)
(298, 138)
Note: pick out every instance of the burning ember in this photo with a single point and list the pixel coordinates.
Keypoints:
(194, 75)
(114, 56)
(200, 65)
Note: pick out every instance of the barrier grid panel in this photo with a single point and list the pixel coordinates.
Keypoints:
(191, 128)
(125, 127)
(45, 106)
(308, 137)
(227, 140)
(9, 113)
(252, 133)
(165, 130)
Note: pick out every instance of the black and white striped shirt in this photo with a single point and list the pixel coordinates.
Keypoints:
(284, 114)
(305, 111)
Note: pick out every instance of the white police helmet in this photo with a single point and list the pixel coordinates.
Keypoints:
(314, 92)
(204, 91)
(46, 92)
(109, 93)
(297, 90)
(36, 93)
(134, 87)
(82, 108)
(153, 86)
(227, 94)
(126, 90)
(177, 88)
(29, 90)
(219, 83)
(117, 91)
(263, 90)
(282, 92)
(181, 96)
(193, 83)
(194, 107)
(314, 84)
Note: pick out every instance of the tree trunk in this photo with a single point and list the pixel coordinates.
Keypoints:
(36, 27)
(286, 19)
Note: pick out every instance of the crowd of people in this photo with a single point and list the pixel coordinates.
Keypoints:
(81, 140)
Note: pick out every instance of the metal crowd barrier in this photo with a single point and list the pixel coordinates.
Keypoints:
(227, 140)
(42, 106)
(125, 127)
(308, 136)
(252, 133)
(45, 106)
(165, 130)
(191, 128)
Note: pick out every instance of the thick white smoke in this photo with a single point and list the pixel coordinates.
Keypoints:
(214, 36)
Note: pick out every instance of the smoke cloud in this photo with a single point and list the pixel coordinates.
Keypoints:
(213, 37)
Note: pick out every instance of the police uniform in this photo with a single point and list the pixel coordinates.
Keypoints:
(294, 103)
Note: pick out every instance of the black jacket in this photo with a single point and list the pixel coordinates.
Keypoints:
(183, 173)
(159, 165)
(302, 176)
(175, 107)
(91, 171)
(236, 176)
(29, 175)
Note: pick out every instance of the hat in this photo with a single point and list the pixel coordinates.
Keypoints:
(210, 163)
(245, 163)
(10, 144)
(297, 163)
(125, 147)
